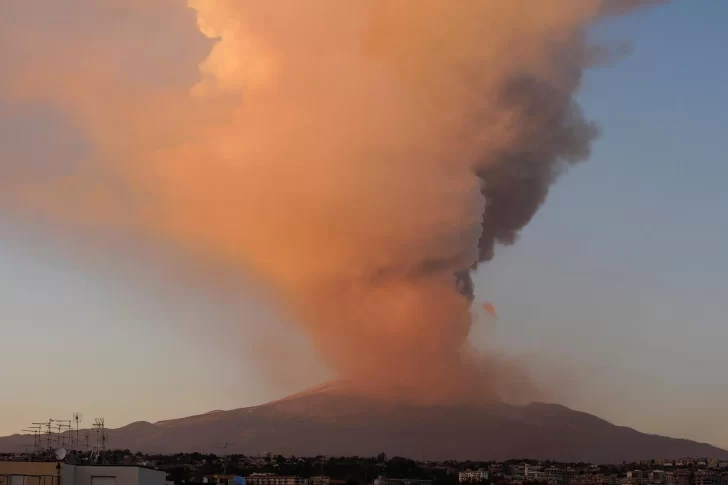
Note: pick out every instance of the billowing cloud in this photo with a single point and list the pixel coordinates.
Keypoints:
(357, 157)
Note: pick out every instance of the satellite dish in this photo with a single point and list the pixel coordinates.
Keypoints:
(61, 453)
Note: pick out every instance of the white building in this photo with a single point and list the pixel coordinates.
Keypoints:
(472, 476)
(533, 472)
(52, 473)
(658, 476)
(271, 479)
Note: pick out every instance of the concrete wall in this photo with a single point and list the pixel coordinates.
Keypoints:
(152, 477)
(122, 475)
(68, 475)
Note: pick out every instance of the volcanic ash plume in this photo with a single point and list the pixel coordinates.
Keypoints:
(359, 157)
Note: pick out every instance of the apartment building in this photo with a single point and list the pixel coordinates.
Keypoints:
(469, 476)
(705, 477)
(272, 479)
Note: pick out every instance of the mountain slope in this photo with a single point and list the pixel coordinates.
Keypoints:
(334, 420)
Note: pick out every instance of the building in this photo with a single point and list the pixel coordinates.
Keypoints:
(558, 475)
(682, 477)
(611, 479)
(400, 481)
(518, 471)
(635, 480)
(704, 477)
(472, 476)
(272, 479)
(533, 472)
(52, 473)
(587, 479)
(658, 477)
(218, 478)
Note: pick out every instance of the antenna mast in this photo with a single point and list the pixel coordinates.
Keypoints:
(64, 429)
(36, 437)
(100, 437)
(55, 438)
(47, 438)
(77, 419)
(225, 457)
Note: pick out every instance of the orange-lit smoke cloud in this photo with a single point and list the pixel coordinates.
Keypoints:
(353, 155)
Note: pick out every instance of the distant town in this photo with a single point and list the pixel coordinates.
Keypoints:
(271, 469)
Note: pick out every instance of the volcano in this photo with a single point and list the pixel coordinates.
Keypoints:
(335, 420)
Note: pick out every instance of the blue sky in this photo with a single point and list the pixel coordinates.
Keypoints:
(616, 291)
(623, 272)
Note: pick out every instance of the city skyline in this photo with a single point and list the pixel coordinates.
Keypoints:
(612, 297)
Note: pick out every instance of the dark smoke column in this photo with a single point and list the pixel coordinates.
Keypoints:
(518, 181)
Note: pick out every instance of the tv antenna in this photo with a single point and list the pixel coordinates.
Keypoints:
(226, 445)
(30, 453)
(35, 430)
(99, 425)
(64, 428)
(77, 420)
(56, 437)
(47, 438)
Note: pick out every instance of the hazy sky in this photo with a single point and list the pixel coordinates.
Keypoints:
(616, 290)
